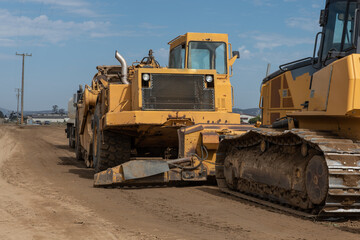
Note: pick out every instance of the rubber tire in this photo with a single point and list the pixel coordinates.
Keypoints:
(109, 148)
(78, 152)
(71, 137)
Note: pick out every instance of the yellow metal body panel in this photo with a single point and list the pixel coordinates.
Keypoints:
(119, 98)
(347, 127)
(283, 94)
(335, 89)
(333, 100)
(320, 89)
(127, 118)
(90, 96)
(210, 140)
(334, 103)
(86, 137)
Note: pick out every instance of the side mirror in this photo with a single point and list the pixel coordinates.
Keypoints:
(322, 20)
(236, 53)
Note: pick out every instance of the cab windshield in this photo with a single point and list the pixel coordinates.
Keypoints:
(339, 27)
(207, 55)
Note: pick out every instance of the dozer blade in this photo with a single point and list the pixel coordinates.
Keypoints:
(132, 170)
(143, 168)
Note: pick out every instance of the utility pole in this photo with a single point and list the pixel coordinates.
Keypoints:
(22, 84)
(17, 110)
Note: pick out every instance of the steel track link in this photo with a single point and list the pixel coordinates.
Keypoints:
(266, 203)
(342, 157)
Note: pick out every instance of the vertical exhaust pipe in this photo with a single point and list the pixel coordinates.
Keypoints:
(122, 61)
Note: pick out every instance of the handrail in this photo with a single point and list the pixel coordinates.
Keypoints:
(315, 46)
(297, 61)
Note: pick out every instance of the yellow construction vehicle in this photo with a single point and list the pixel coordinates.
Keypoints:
(307, 155)
(146, 124)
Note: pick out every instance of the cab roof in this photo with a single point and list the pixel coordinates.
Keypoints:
(187, 37)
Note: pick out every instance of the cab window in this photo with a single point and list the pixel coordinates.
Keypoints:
(177, 57)
(339, 27)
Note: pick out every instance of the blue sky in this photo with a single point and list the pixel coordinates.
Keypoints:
(69, 38)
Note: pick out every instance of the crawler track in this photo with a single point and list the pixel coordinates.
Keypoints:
(309, 173)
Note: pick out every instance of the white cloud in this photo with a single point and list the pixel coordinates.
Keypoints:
(308, 24)
(43, 29)
(150, 26)
(8, 57)
(64, 3)
(123, 33)
(72, 6)
(262, 2)
(6, 42)
(162, 56)
(244, 53)
(272, 40)
(143, 29)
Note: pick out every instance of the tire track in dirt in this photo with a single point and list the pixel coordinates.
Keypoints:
(39, 211)
(55, 189)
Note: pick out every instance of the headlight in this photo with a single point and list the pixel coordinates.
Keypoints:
(209, 78)
(146, 77)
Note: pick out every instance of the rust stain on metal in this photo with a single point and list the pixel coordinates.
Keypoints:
(351, 180)
(348, 202)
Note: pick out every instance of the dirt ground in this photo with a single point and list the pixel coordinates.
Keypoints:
(47, 194)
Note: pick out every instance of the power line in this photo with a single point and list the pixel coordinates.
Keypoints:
(22, 84)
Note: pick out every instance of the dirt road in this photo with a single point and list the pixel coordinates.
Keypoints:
(47, 194)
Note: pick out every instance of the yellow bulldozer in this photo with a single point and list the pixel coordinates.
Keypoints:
(146, 124)
(306, 156)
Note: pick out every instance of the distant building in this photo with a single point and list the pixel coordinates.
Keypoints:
(52, 118)
(245, 118)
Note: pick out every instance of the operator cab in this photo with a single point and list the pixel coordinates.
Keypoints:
(200, 51)
(339, 38)
(340, 22)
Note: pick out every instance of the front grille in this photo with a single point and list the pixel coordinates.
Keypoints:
(178, 92)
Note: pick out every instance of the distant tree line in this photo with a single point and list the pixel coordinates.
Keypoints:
(12, 117)
(255, 119)
(55, 109)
